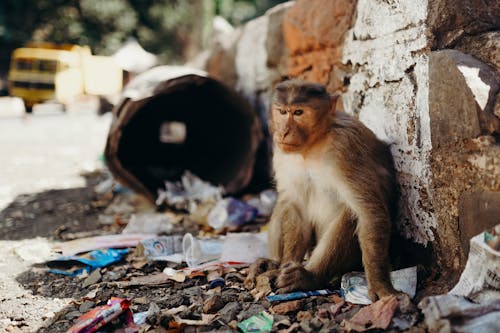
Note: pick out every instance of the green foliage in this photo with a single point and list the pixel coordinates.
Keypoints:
(173, 29)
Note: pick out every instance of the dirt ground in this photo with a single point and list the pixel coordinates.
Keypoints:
(67, 214)
(62, 205)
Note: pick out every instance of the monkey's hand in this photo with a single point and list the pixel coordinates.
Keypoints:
(261, 266)
(293, 276)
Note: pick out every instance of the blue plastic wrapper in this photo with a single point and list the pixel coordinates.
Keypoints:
(231, 212)
(299, 295)
(75, 265)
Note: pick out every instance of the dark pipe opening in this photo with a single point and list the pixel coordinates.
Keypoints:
(189, 123)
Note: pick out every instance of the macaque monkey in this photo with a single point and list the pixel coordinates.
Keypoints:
(336, 189)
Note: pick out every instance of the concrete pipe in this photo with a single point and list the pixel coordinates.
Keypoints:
(172, 119)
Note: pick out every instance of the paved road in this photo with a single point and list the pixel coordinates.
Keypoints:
(49, 148)
(46, 150)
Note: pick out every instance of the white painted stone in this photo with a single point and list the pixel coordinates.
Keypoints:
(380, 18)
(385, 58)
(389, 92)
(251, 57)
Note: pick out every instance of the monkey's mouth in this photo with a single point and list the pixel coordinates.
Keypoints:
(288, 145)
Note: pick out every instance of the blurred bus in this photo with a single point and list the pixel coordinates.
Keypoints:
(53, 72)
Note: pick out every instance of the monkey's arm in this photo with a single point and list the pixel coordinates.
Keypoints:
(289, 240)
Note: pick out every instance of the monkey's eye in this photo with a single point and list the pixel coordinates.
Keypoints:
(298, 112)
(281, 111)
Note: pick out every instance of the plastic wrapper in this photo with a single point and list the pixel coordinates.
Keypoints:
(263, 322)
(188, 193)
(265, 202)
(102, 315)
(482, 271)
(355, 287)
(245, 247)
(102, 242)
(161, 248)
(200, 251)
(230, 212)
(148, 223)
(75, 265)
(299, 295)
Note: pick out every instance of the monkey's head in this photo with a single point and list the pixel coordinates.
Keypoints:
(300, 114)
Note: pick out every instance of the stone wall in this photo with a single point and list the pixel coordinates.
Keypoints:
(422, 74)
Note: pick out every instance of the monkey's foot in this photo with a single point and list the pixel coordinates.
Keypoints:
(293, 276)
(379, 290)
(261, 266)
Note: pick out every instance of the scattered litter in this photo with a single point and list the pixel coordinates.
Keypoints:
(492, 237)
(451, 313)
(376, 315)
(102, 315)
(482, 271)
(245, 247)
(105, 186)
(355, 287)
(75, 265)
(175, 275)
(265, 202)
(166, 248)
(230, 212)
(263, 322)
(205, 320)
(148, 223)
(140, 317)
(188, 193)
(200, 251)
(101, 242)
(218, 282)
(299, 295)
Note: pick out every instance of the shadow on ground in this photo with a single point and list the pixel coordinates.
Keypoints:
(52, 212)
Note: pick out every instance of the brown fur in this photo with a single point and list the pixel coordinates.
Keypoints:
(336, 186)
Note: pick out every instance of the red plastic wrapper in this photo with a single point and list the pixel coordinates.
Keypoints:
(102, 315)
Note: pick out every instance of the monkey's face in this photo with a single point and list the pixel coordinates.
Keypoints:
(297, 126)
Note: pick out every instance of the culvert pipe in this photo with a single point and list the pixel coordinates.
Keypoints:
(171, 119)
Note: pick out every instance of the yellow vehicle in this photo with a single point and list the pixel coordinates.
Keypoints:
(43, 72)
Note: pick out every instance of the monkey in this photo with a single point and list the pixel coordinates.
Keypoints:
(336, 191)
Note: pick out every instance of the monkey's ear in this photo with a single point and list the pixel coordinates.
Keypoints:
(333, 102)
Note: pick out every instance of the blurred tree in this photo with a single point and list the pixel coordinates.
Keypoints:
(174, 29)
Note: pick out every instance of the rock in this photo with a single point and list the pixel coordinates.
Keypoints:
(314, 43)
(213, 304)
(252, 310)
(277, 52)
(86, 306)
(230, 295)
(483, 47)
(221, 60)
(450, 20)
(229, 311)
(172, 301)
(245, 296)
(287, 307)
(72, 315)
(304, 316)
(93, 278)
(452, 105)
(477, 211)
